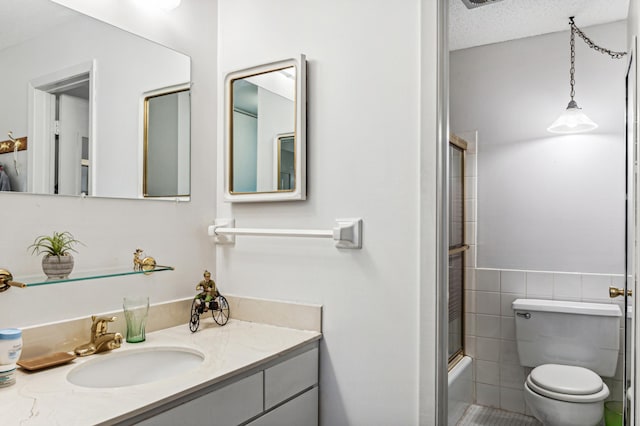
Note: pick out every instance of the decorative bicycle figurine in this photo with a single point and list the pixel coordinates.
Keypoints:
(209, 299)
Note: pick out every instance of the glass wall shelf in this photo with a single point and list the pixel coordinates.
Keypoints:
(37, 280)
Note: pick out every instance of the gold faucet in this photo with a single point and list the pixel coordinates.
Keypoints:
(100, 340)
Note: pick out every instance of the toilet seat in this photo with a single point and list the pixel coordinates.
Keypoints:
(567, 383)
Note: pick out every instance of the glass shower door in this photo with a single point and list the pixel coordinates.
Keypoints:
(457, 249)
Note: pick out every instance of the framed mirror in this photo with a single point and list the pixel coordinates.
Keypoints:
(75, 87)
(265, 132)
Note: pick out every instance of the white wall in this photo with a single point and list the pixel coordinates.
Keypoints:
(361, 115)
(276, 115)
(111, 229)
(545, 203)
(245, 152)
(364, 130)
(122, 75)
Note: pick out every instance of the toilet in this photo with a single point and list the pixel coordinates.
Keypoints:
(570, 346)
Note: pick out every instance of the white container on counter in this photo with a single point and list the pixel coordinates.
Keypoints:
(10, 346)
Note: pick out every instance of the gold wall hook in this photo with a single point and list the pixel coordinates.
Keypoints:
(148, 265)
(6, 281)
(615, 292)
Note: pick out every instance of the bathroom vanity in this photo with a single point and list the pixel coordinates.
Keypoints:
(251, 373)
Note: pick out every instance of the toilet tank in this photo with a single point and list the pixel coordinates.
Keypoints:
(570, 333)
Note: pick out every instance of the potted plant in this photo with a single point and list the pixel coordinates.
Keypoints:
(58, 261)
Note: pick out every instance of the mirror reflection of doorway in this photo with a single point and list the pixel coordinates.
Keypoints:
(61, 129)
(286, 161)
(72, 141)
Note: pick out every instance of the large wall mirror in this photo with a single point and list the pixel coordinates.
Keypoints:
(77, 89)
(265, 132)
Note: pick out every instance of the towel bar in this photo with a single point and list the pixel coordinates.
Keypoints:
(347, 233)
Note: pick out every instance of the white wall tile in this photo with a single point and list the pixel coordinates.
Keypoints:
(508, 328)
(506, 299)
(596, 288)
(488, 395)
(470, 232)
(470, 257)
(488, 326)
(470, 345)
(487, 303)
(615, 388)
(567, 286)
(488, 349)
(469, 278)
(540, 285)
(620, 368)
(470, 165)
(470, 187)
(512, 376)
(470, 301)
(488, 279)
(513, 282)
(470, 324)
(512, 400)
(487, 372)
(470, 214)
(509, 352)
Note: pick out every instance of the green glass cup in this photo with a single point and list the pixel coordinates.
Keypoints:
(136, 310)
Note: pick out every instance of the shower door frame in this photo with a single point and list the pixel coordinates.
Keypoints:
(631, 234)
(460, 144)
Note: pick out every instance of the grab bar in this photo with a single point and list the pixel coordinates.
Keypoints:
(347, 233)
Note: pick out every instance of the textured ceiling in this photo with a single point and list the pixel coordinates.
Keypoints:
(492, 23)
(512, 19)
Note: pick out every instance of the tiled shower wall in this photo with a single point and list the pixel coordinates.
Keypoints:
(490, 326)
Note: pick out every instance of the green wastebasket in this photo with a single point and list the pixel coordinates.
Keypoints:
(613, 413)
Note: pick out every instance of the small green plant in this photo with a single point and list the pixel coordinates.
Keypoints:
(58, 244)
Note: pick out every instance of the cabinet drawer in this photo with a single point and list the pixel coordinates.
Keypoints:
(300, 411)
(227, 406)
(290, 377)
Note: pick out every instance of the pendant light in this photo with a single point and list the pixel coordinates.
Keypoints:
(573, 120)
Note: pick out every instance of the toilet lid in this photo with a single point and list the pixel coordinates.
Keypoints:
(566, 379)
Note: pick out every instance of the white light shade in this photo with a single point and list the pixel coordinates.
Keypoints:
(572, 120)
(162, 4)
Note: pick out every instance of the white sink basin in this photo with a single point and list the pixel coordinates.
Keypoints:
(134, 367)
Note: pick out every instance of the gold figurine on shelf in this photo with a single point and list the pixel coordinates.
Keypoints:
(146, 264)
(209, 299)
(137, 263)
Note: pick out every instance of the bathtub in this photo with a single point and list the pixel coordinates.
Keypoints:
(460, 390)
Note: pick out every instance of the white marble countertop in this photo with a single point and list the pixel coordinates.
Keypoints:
(47, 398)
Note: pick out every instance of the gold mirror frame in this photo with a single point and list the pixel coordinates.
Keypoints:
(299, 133)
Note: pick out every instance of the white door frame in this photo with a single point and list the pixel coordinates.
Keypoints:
(40, 122)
